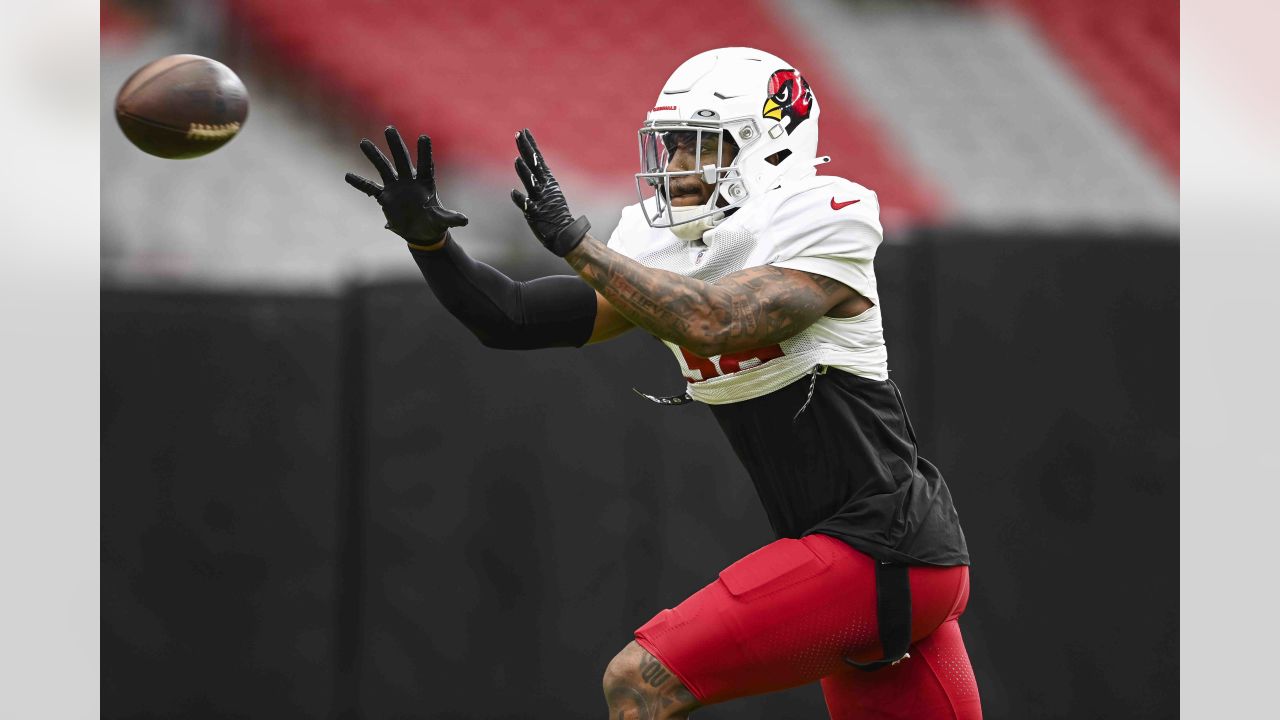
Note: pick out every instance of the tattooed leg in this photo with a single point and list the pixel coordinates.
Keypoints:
(638, 687)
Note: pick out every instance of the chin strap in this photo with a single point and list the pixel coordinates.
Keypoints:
(694, 229)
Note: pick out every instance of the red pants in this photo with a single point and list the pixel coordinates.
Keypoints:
(789, 613)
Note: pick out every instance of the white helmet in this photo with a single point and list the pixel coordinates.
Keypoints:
(756, 99)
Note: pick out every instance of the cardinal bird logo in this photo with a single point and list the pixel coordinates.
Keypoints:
(789, 97)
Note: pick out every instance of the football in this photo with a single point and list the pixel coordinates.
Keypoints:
(182, 106)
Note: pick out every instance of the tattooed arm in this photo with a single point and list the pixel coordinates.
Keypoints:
(752, 308)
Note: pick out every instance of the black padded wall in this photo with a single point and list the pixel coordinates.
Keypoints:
(1055, 389)
(525, 512)
(219, 499)
(348, 507)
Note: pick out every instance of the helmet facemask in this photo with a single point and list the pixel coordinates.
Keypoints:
(659, 141)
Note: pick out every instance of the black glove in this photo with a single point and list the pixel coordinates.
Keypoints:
(409, 201)
(545, 208)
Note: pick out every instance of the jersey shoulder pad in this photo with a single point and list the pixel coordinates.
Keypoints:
(824, 200)
(825, 216)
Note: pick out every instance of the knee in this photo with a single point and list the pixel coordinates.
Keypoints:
(623, 671)
(636, 683)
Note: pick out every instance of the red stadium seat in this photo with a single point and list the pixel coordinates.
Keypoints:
(581, 74)
(1128, 53)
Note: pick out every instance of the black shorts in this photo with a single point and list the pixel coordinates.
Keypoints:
(845, 466)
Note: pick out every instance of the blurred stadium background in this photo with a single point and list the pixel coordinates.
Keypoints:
(322, 498)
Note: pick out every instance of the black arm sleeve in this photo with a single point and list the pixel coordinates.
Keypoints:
(556, 311)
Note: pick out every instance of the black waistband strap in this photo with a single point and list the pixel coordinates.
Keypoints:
(893, 614)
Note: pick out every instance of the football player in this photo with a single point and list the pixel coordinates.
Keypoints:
(758, 274)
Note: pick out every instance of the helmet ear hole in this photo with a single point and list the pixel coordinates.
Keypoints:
(778, 157)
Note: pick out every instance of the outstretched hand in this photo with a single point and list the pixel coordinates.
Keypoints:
(545, 208)
(408, 199)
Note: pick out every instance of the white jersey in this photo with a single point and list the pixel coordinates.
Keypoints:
(823, 225)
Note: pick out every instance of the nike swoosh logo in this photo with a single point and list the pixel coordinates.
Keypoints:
(836, 206)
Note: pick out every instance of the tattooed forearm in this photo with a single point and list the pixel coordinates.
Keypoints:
(749, 309)
(661, 302)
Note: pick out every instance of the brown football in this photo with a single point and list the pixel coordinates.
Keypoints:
(182, 106)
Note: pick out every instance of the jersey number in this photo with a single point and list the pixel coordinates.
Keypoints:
(701, 368)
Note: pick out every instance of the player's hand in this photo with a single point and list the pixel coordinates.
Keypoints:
(545, 208)
(408, 199)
